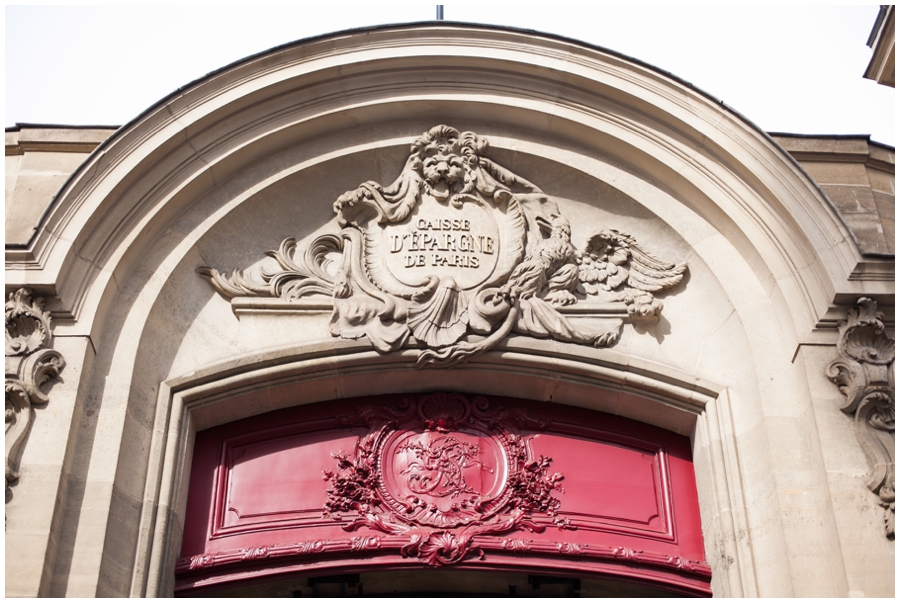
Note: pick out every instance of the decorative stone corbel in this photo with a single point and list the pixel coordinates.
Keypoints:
(864, 374)
(30, 364)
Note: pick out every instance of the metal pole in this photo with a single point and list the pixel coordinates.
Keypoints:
(440, 12)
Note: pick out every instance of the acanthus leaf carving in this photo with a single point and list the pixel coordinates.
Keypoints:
(30, 365)
(450, 471)
(517, 545)
(572, 548)
(259, 552)
(458, 245)
(364, 543)
(315, 547)
(864, 374)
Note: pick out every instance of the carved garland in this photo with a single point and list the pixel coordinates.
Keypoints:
(30, 364)
(459, 245)
(864, 374)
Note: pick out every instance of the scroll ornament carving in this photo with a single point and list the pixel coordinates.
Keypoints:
(30, 365)
(441, 472)
(459, 245)
(864, 374)
(359, 544)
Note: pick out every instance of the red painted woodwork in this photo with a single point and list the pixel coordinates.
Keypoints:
(441, 480)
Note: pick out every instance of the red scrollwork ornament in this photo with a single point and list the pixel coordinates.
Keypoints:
(442, 471)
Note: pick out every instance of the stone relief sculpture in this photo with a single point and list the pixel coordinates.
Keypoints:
(30, 364)
(459, 245)
(864, 374)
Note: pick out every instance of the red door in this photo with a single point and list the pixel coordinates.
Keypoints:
(443, 482)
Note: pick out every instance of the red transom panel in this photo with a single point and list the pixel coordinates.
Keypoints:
(441, 480)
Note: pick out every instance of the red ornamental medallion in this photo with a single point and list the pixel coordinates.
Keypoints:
(443, 469)
(452, 477)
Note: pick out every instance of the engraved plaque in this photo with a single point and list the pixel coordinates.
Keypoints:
(442, 240)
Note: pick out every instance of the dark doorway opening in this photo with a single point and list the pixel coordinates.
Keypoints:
(427, 582)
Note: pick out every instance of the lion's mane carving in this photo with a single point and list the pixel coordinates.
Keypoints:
(443, 163)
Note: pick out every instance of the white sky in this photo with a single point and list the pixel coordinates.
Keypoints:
(791, 69)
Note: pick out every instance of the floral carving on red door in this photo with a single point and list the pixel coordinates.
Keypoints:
(440, 471)
(440, 465)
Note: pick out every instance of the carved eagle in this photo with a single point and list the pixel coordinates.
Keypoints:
(549, 264)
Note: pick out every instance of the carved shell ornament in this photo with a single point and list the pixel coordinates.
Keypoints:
(457, 246)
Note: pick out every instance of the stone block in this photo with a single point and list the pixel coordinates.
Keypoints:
(25, 553)
(32, 195)
(884, 203)
(794, 463)
(756, 465)
(837, 172)
(858, 209)
(119, 546)
(881, 180)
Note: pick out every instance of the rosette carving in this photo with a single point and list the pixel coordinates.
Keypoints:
(30, 365)
(864, 374)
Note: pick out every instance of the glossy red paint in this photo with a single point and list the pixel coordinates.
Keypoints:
(441, 480)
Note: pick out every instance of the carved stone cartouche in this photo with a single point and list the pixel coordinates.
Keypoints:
(30, 364)
(864, 374)
(459, 245)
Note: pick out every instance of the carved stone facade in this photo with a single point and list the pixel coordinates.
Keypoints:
(30, 364)
(864, 372)
(460, 245)
(510, 209)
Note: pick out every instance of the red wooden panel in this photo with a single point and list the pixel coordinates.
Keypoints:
(441, 480)
(252, 499)
(626, 490)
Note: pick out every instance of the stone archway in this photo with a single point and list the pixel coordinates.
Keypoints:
(207, 401)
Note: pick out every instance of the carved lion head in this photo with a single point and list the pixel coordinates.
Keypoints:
(447, 161)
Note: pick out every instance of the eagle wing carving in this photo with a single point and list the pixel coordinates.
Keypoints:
(612, 259)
